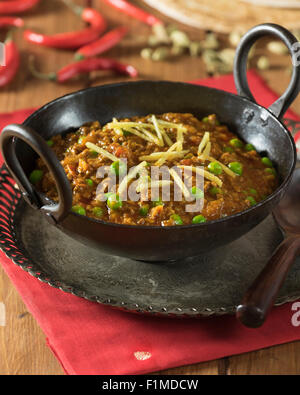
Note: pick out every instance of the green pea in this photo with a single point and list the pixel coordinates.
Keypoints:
(198, 219)
(228, 149)
(249, 147)
(215, 191)
(205, 119)
(108, 194)
(126, 133)
(251, 200)
(114, 202)
(50, 143)
(253, 191)
(118, 167)
(236, 143)
(97, 211)
(144, 210)
(36, 176)
(215, 168)
(93, 154)
(177, 219)
(78, 210)
(267, 162)
(271, 170)
(158, 202)
(197, 193)
(89, 182)
(236, 167)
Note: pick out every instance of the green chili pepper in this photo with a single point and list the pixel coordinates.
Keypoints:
(198, 219)
(177, 219)
(236, 167)
(215, 168)
(36, 176)
(205, 119)
(78, 210)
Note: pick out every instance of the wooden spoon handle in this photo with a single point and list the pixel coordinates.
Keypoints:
(261, 295)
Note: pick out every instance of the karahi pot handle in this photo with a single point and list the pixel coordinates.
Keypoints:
(281, 105)
(54, 212)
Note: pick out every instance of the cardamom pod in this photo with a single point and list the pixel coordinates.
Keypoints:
(210, 42)
(195, 48)
(235, 37)
(263, 63)
(180, 39)
(227, 56)
(160, 33)
(160, 53)
(146, 53)
(277, 48)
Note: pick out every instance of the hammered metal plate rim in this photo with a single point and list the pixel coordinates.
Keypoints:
(14, 250)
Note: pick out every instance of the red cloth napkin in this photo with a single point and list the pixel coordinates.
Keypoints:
(89, 338)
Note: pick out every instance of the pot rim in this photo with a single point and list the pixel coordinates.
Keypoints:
(283, 185)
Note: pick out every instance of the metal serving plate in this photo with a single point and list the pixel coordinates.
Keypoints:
(211, 284)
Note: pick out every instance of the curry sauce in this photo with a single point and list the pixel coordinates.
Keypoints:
(236, 177)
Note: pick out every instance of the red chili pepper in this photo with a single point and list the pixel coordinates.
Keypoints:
(12, 62)
(104, 43)
(10, 21)
(72, 40)
(135, 12)
(16, 6)
(85, 66)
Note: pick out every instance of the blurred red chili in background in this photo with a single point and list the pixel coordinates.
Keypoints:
(104, 43)
(12, 61)
(72, 40)
(84, 66)
(9, 7)
(135, 12)
(10, 21)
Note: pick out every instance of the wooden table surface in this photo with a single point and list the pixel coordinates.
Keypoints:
(22, 343)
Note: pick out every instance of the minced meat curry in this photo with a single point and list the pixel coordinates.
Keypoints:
(236, 177)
